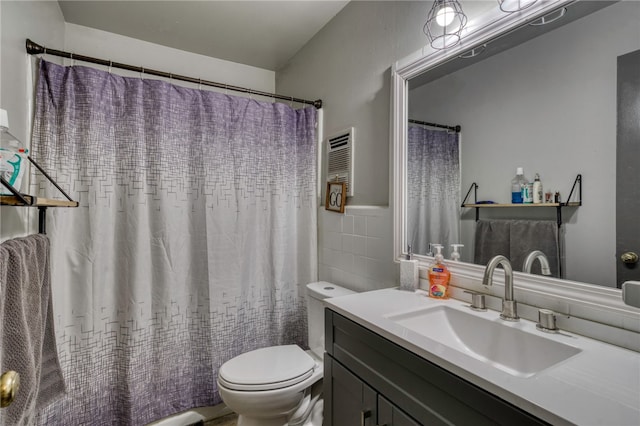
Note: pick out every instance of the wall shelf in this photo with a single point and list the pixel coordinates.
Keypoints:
(484, 206)
(12, 200)
(24, 200)
(577, 184)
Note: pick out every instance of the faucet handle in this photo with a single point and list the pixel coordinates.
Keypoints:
(477, 301)
(547, 321)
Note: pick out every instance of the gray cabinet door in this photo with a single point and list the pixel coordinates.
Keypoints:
(348, 400)
(390, 415)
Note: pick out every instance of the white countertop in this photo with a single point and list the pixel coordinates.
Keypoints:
(598, 386)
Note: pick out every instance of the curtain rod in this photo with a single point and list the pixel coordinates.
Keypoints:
(36, 49)
(456, 129)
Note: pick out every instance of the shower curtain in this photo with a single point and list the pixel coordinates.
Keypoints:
(433, 188)
(194, 238)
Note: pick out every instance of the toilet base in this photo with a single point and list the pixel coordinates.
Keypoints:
(244, 421)
(308, 413)
(315, 419)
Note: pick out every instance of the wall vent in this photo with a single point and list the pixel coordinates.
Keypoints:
(340, 158)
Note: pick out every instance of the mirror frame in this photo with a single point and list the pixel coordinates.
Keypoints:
(586, 301)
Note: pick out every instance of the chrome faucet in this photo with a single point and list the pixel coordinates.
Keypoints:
(544, 262)
(509, 306)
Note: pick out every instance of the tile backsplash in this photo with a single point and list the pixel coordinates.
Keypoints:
(356, 248)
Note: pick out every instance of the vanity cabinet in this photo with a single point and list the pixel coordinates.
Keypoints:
(391, 415)
(354, 402)
(372, 381)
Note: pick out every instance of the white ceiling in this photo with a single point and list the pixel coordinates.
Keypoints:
(264, 34)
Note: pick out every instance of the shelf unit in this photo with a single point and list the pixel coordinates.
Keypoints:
(18, 199)
(577, 185)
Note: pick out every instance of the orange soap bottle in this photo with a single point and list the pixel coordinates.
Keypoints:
(439, 276)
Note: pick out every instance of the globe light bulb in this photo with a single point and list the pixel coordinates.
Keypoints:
(445, 16)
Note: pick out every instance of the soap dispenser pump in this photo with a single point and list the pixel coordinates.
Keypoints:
(455, 254)
(439, 276)
(409, 273)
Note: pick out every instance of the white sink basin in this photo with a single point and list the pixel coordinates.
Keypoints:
(494, 342)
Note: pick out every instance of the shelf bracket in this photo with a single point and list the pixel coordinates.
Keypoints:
(14, 191)
(32, 201)
(577, 182)
(41, 170)
(474, 187)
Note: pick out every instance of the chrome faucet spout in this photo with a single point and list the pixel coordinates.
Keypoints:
(531, 257)
(509, 306)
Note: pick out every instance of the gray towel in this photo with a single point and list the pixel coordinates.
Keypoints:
(529, 235)
(515, 239)
(492, 238)
(27, 338)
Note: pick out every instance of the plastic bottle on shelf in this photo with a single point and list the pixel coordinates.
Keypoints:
(538, 193)
(517, 184)
(527, 193)
(13, 156)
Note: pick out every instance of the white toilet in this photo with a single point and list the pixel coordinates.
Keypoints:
(281, 385)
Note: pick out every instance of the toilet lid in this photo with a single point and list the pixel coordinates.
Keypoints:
(268, 368)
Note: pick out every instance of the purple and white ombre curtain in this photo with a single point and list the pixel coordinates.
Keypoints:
(433, 188)
(194, 239)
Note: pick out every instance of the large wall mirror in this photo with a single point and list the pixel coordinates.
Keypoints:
(541, 97)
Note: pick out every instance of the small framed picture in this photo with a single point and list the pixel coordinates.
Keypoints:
(336, 196)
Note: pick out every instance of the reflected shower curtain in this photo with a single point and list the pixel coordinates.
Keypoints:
(433, 188)
(194, 238)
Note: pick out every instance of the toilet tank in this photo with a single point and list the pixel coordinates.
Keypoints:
(316, 293)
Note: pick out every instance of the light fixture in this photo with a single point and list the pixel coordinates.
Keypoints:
(445, 22)
(511, 6)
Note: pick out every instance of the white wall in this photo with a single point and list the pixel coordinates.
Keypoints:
(21, 20)
(117, 48)
(347, 64)
(548, 105)
(354, 249)
(43, 23)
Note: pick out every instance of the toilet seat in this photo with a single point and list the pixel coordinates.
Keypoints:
(270, 368)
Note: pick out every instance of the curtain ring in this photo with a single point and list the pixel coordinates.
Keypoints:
(73, 61)
(141, 73)
(110, 66)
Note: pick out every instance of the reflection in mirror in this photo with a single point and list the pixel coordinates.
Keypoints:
(548, 105)
(433, 186)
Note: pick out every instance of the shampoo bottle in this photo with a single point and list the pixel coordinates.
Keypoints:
(409, 278)
(538, 197)
(439, 277)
